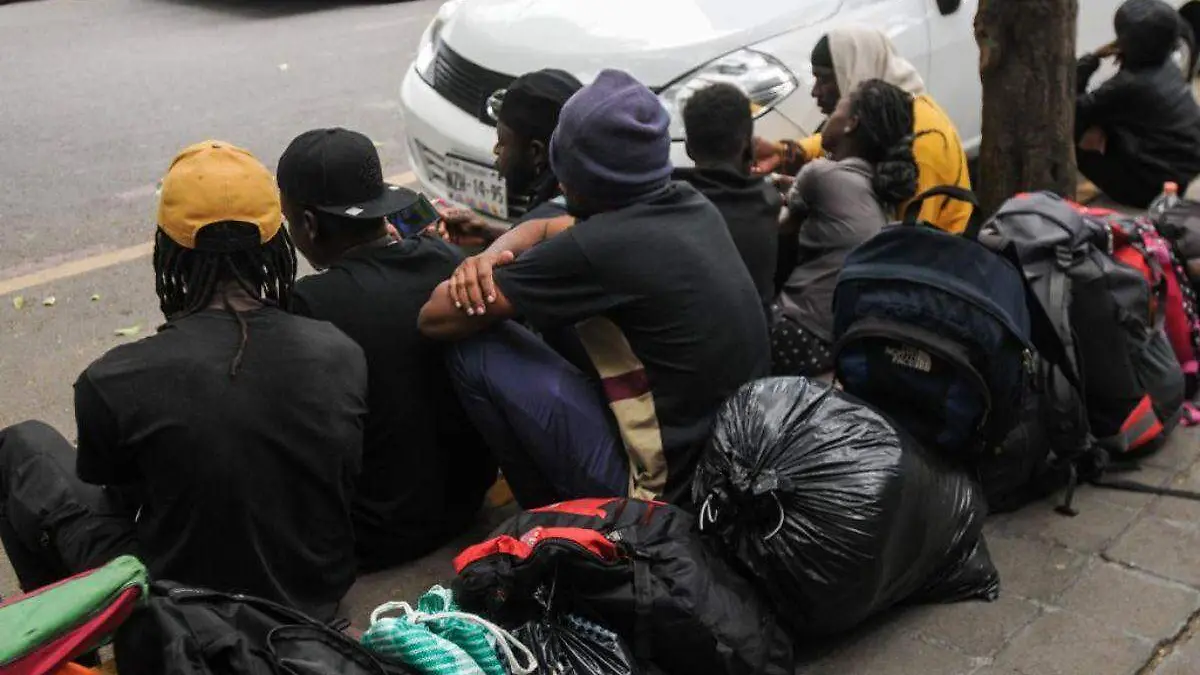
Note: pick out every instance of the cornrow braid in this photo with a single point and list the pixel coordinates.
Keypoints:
(187, 280)
(885, 135)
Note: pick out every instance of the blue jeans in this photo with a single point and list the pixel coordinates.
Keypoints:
(547, 424)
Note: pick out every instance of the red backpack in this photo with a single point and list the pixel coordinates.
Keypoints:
(1137, 244)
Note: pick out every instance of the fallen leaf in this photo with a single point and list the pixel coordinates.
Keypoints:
(18, 302)
(49, 301)
(96, 298)
(130, 331)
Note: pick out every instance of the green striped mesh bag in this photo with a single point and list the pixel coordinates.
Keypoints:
(438, 639)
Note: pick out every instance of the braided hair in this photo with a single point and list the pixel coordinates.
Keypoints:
(885, 139)
(187, 280)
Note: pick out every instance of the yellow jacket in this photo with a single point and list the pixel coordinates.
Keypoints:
(940, 161)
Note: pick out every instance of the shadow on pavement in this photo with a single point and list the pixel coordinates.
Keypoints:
(267, 9)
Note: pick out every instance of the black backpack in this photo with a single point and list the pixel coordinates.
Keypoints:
(638, 567)
(1102, 379)
(195, 631)
(933, 329)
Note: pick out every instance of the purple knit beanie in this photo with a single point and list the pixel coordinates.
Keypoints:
(612, 141)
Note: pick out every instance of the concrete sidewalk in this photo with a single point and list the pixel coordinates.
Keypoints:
(1113, 591)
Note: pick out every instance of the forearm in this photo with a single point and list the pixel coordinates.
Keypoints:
(522, 237)
(441, 320)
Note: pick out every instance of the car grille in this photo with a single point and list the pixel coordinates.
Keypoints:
(466, 84)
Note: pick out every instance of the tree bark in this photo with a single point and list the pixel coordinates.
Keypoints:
(1027, 66)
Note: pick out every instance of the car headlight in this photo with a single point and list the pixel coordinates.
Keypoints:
(765, 81)
(431, 40)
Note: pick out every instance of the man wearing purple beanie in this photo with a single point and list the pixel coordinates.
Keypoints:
(634, 272)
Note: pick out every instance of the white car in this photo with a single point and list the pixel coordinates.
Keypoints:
(475, 48)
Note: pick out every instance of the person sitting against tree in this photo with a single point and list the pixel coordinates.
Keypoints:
(632, 269)
(1141, 128)
(425, 470)
(841, 61)
(720, 130)
(528, 112)
(834, 205)
(222, 451)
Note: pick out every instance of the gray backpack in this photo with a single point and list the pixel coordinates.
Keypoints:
(1108, 385)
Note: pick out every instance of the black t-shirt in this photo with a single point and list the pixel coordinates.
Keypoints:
(750, 207)
(245, 480)
(669, 337)
(425, 468)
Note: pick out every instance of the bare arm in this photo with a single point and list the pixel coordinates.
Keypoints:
(472, 287)
(529, 234)
(441, 320)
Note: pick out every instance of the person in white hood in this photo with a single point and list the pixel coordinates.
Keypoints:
(841, 62)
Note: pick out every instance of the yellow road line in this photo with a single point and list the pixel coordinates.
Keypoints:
(406, 179)
(75, 268)
(100, 261)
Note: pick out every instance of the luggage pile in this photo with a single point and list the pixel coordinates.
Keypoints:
(1039, 350)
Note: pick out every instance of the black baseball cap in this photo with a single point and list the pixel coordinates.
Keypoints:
(337, 171)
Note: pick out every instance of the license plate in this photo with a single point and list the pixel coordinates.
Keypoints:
(476, 185)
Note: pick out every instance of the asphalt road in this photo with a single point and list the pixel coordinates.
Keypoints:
(96, 97)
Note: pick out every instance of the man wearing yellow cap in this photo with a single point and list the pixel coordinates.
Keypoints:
(234, 433)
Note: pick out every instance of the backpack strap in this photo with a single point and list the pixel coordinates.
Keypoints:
(913, 210)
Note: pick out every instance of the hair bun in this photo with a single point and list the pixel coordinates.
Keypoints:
(895, 179)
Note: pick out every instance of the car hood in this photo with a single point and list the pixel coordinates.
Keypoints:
(656, 41)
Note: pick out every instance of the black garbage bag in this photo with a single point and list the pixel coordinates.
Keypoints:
(835, 512)
(568, 644)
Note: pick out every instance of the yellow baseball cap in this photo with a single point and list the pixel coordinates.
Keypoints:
(215, 182)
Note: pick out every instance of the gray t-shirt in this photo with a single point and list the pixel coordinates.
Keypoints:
(839, 212)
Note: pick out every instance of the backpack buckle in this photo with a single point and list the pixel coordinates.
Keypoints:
(1067, 257)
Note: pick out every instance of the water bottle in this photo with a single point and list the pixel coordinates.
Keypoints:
(1164, 202)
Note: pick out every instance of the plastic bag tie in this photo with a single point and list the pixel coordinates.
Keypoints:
(709, 514)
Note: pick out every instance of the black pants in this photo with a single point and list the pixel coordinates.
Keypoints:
(53, 525)
(1116, 178)
(1120, 175)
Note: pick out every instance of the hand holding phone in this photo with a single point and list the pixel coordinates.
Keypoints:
(419, 215)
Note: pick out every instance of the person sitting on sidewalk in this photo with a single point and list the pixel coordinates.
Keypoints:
(1141, 128)
(841, 61)
(425, 470)
(229, 441)
(834, 205)
(528, 112)
(720, 131)
(633, 269)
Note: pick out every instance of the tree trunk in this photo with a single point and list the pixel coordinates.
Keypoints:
(1027, 65)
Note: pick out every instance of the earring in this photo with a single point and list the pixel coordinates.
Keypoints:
(847, 130)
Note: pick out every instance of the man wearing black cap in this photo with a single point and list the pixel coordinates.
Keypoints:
(667, 339)
(425, 470)
(526, 114)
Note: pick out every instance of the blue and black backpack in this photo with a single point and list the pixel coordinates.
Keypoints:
(934, 330)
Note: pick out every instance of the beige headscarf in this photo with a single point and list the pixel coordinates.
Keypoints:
(860, 54)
